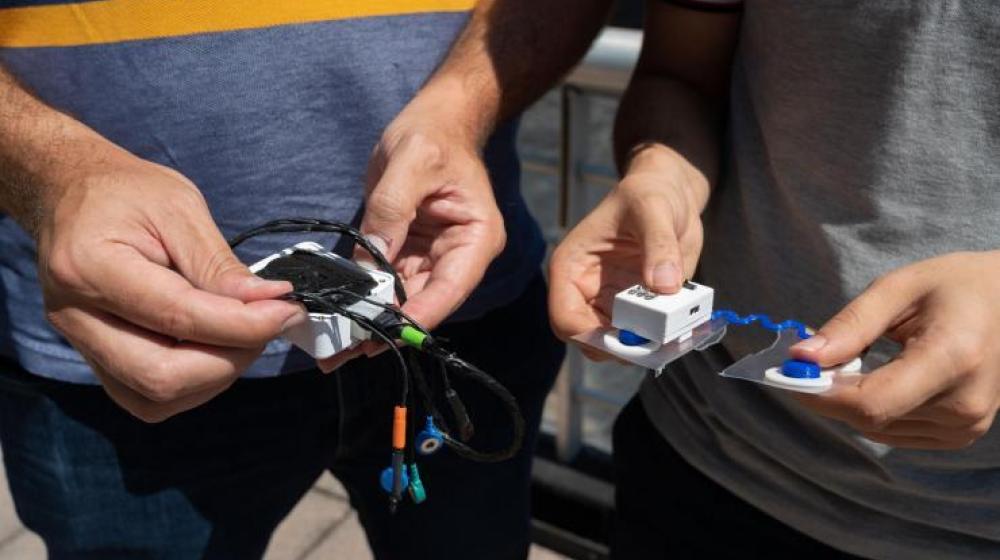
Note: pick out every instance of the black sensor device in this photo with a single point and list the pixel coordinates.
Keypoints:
(314, 272)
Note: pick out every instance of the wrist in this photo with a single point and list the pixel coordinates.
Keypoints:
(461, 105)
(45, 154)
(663, 161)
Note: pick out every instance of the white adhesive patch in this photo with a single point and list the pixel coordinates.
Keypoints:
(774, 378)
(615, 346)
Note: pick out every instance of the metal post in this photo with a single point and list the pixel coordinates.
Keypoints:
(575, 117)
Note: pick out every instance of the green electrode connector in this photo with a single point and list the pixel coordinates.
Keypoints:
(417, 492)
(413, 336)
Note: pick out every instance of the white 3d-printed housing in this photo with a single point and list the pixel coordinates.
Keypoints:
(324, 335)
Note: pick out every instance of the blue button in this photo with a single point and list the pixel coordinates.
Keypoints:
(629, 338)
(800, 369)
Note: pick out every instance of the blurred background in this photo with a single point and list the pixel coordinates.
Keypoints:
(565, 143)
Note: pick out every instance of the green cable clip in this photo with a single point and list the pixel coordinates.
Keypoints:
(417, 491)
(413, 336)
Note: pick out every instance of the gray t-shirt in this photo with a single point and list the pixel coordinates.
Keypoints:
(863, 136)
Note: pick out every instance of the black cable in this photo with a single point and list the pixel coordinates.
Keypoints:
(506, 398)
(387, 333)
(387, 339)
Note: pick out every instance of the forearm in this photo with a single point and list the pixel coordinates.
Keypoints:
(673, 113)
(662, 123)
(39, 148)
(511, 53)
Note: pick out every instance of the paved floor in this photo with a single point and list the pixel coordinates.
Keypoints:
(323, 526)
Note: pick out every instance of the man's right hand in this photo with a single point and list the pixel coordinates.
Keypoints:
(647, 230)
(139, 279)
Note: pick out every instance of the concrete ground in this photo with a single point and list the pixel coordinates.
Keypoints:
(322, 527)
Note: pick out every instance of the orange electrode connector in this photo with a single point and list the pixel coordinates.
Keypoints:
(399, 427)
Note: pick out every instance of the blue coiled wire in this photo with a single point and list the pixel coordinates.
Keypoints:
(733, 318)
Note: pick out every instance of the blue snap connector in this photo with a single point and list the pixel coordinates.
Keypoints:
(386, 479)
(800, 369)
(430, 439)
(629, 338)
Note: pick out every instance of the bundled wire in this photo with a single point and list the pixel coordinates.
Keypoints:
(394, 324)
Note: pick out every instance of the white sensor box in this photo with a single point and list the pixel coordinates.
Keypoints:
(324, 335)
(662, 318)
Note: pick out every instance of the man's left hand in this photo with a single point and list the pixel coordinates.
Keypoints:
(430, 206)
(943, 390)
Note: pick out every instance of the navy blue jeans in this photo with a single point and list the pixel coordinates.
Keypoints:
(214, 482)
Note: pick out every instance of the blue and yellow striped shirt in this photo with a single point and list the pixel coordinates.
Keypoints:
(271, 107)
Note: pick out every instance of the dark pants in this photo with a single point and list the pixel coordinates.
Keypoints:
(668, 509)
(214, 482)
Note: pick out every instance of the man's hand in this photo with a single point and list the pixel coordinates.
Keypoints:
(647, 230)
(138, 278)
(943, 390)
(430, 205)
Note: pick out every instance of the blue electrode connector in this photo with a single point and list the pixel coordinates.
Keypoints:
(387, 479)
(800, 369)
(629, 338)
(430, 439)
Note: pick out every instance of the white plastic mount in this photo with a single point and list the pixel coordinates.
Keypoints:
(774, 378)
(659, 317)
(674, 324)
(324, 335)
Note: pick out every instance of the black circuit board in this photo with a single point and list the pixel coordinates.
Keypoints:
(313, 272)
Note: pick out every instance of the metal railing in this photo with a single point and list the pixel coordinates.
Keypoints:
(605, 71)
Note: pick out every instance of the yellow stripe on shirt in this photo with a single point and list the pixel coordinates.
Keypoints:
(113, 21)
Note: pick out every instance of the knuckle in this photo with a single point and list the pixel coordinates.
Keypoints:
(847, 325)
(63, 268)
(150, 413)
(158, 384)
(219, 262)
(175, 321)
(430, 154)
(57, 318)
(965, 351)
(256, 334)
(498, 233)
(187, 195)
(871, 416)
(979, 429)
(388, 206)
(972, 410)
(891, 281)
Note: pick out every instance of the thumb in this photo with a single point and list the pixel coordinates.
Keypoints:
(390, 207)
(661, 254)
(857, 325)
(202, 256)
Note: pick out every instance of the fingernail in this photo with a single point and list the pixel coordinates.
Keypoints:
(378, 242)
(811, 344)
(666, 275)
(256, 282)
(366, 263)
